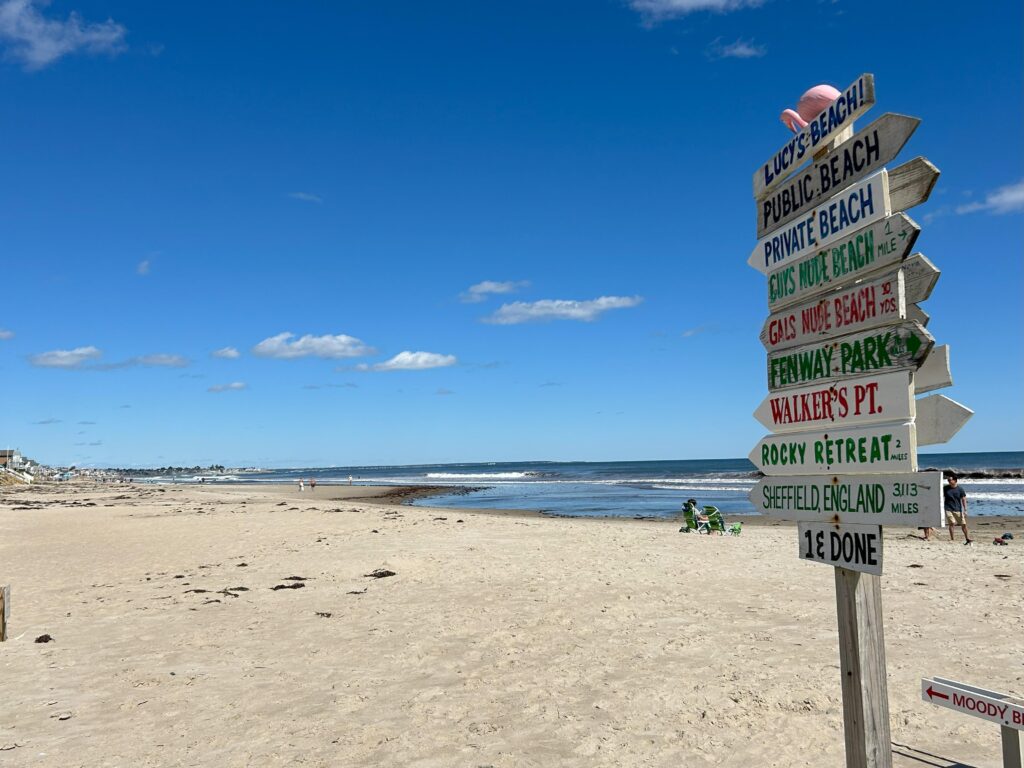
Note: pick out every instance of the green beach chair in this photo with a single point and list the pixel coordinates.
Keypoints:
(735, 529)
(691, 521)
(715, 520)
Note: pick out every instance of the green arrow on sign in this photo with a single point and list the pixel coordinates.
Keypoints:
(913, 344)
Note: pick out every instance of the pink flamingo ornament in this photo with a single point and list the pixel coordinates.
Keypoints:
(810, 104)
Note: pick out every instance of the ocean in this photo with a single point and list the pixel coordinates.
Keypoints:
(994, 483)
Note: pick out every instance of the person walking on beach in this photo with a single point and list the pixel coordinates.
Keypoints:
(955, 501)
(302, 487)
(312, 484)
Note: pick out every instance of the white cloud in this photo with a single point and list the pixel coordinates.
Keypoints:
(235, 386)
(559, 309)
(143, 268)
(5, 334)
(37, 41)
(658, 10)
(1008, 199)
(411, 361)
(741, 49)
(479, 292)
(444, 392)
(689, 332)
(226, 353)
(311, 346)
(65, 358)
(306, 197)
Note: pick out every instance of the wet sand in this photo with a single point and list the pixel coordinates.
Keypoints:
(180, 636)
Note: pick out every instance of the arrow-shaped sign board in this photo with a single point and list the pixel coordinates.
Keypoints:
(884, 243)
(854, 547)
(939, 418)
(837, 116)
(867, 304)
(904, 187)
(856, 158)
(912, 500)
(934, 371)
(841, 215)
(840, 404)
(995, 707)
(875, 448)
(892, 348)
(919, 278)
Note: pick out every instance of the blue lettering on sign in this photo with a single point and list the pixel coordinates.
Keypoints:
(843, 212)
(830, 120)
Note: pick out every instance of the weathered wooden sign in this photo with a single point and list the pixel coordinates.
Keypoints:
(856, 547)
(919, 278)
(884, 243)
(892, 348)
(918, 315)
(872, 199)
(934, 372)
(872, 448)
(851, 209)
(938, 418)
(852, 102)
(995, 707)
(856, 158)
(868, 304)
(913, 499)
(847, 403)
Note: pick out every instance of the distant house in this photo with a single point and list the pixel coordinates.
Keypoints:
(11, 459)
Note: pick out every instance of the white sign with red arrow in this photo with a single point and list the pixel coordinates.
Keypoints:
(988, 705)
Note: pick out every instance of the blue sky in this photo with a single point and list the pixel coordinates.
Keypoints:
(182, 178)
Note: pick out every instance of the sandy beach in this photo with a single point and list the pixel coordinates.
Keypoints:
(238, 626)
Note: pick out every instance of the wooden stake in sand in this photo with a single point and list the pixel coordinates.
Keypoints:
(5, 608)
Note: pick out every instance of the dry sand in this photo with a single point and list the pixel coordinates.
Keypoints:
(501, 640)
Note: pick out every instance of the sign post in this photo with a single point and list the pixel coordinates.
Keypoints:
(846, 353)
(999, 708)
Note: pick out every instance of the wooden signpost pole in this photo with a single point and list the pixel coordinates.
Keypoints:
(862, 665)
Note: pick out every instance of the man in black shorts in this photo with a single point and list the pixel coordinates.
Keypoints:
(955, 501)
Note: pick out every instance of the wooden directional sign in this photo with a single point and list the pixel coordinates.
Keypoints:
(841, 215)
(988, 705)
(864, 400)
(884, 243)
(938, 418)
(872, 199)
(919, 277)
(853, 102)
(854, 547)
(934, 371)
(856, 158)
(913, 500)
(868, 304)
(892, 348)
(874, 448)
